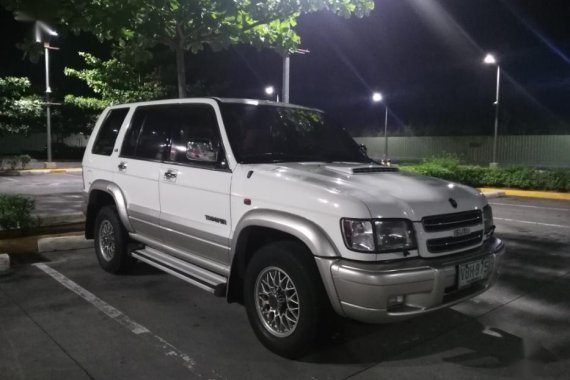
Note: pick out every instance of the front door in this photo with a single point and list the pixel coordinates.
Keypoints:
(194, 186)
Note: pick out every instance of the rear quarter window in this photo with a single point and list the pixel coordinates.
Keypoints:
(108, 132)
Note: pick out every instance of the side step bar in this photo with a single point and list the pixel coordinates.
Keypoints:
(200, 277)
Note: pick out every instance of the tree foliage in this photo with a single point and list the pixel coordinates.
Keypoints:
(19, 109)
(112, 82)
(135, 26)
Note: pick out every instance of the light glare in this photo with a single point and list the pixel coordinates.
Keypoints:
(269, 90)
(377, 97)
(490, 59)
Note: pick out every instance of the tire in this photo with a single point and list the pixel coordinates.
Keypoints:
(271, 311)
(111, 242)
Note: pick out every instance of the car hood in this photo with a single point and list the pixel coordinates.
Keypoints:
(386, 194)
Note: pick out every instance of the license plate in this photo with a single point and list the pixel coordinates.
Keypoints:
(472, 272)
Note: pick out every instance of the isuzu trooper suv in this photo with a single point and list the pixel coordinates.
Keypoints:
(270, 205)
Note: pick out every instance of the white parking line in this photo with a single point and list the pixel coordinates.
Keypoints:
(535, 223)
(119, 317)
(528, 206)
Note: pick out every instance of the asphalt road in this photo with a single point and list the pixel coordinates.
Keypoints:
(54, 193)
(67, 319)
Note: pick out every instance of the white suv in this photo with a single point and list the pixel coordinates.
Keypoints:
(269, 205)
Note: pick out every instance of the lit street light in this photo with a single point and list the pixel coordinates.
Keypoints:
(377, 98)
(270, 91)
(39, 28)
(491, 60)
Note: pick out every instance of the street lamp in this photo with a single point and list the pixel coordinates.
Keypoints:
(286, 71)
(491, 60)
(39, 28)
(270, 91)
(378, 98)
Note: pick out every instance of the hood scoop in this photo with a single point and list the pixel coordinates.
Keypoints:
(362, 169)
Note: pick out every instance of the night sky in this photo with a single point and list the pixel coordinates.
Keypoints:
(425, 56)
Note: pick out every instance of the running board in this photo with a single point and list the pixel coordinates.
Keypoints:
(200, 277)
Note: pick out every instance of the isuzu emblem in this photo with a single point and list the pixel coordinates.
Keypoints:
(461, 231)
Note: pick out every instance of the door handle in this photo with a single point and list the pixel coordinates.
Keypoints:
(170, 174)
(122, 166)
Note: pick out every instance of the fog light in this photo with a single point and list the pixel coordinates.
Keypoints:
(395, 300)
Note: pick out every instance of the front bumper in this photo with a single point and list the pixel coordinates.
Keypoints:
(361, 291)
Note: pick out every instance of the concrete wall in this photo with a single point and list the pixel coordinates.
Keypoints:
(551, 150)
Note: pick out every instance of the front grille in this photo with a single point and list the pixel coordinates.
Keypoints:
(452, 243)
(374, 170)
(452, 221)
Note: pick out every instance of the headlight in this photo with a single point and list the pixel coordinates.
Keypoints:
(358, 235)
(378, 235)
(488, 219)
(395, 235)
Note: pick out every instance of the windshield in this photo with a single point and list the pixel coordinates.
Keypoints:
(267, 133)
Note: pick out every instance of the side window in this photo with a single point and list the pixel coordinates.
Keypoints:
(148, 136)
(109, 131)
(195, 136)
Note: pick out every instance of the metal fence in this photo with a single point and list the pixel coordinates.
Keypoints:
(18, 144)
(547, 150)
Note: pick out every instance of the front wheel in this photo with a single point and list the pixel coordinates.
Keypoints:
(284, 297)
(111, 242)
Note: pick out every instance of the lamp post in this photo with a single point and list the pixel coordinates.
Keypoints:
(39, 28)
(378, 98)
(270, 91)
(286, 71)
(491, 60)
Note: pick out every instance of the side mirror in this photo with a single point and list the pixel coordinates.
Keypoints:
(202, 150)
(363, 149)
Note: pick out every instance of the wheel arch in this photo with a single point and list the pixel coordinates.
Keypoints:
(103, 193)
(259, 227)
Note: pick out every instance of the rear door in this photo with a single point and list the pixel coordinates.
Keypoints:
(101, 162)
(145, 145)
(195, 185)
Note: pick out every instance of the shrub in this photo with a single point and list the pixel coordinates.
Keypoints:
(444, 160)
(15, 212)
(12, 162)
(478, 176)
(25, 160)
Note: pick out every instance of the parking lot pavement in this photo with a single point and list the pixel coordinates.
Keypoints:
(54, 194)
(69, 319)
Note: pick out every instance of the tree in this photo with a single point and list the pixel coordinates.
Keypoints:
(19, 109)
(188, 25)
(112, 82)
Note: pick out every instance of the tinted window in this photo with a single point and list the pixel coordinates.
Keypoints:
(148, 136)
(263, 133)
(109, 131)
(194, 122)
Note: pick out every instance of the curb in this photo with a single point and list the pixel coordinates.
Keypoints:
(494, 194)
(18, 173)
(528, 193)
(63, 243)
(56, 220)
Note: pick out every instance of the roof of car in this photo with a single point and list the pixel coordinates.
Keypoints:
(220, 100)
